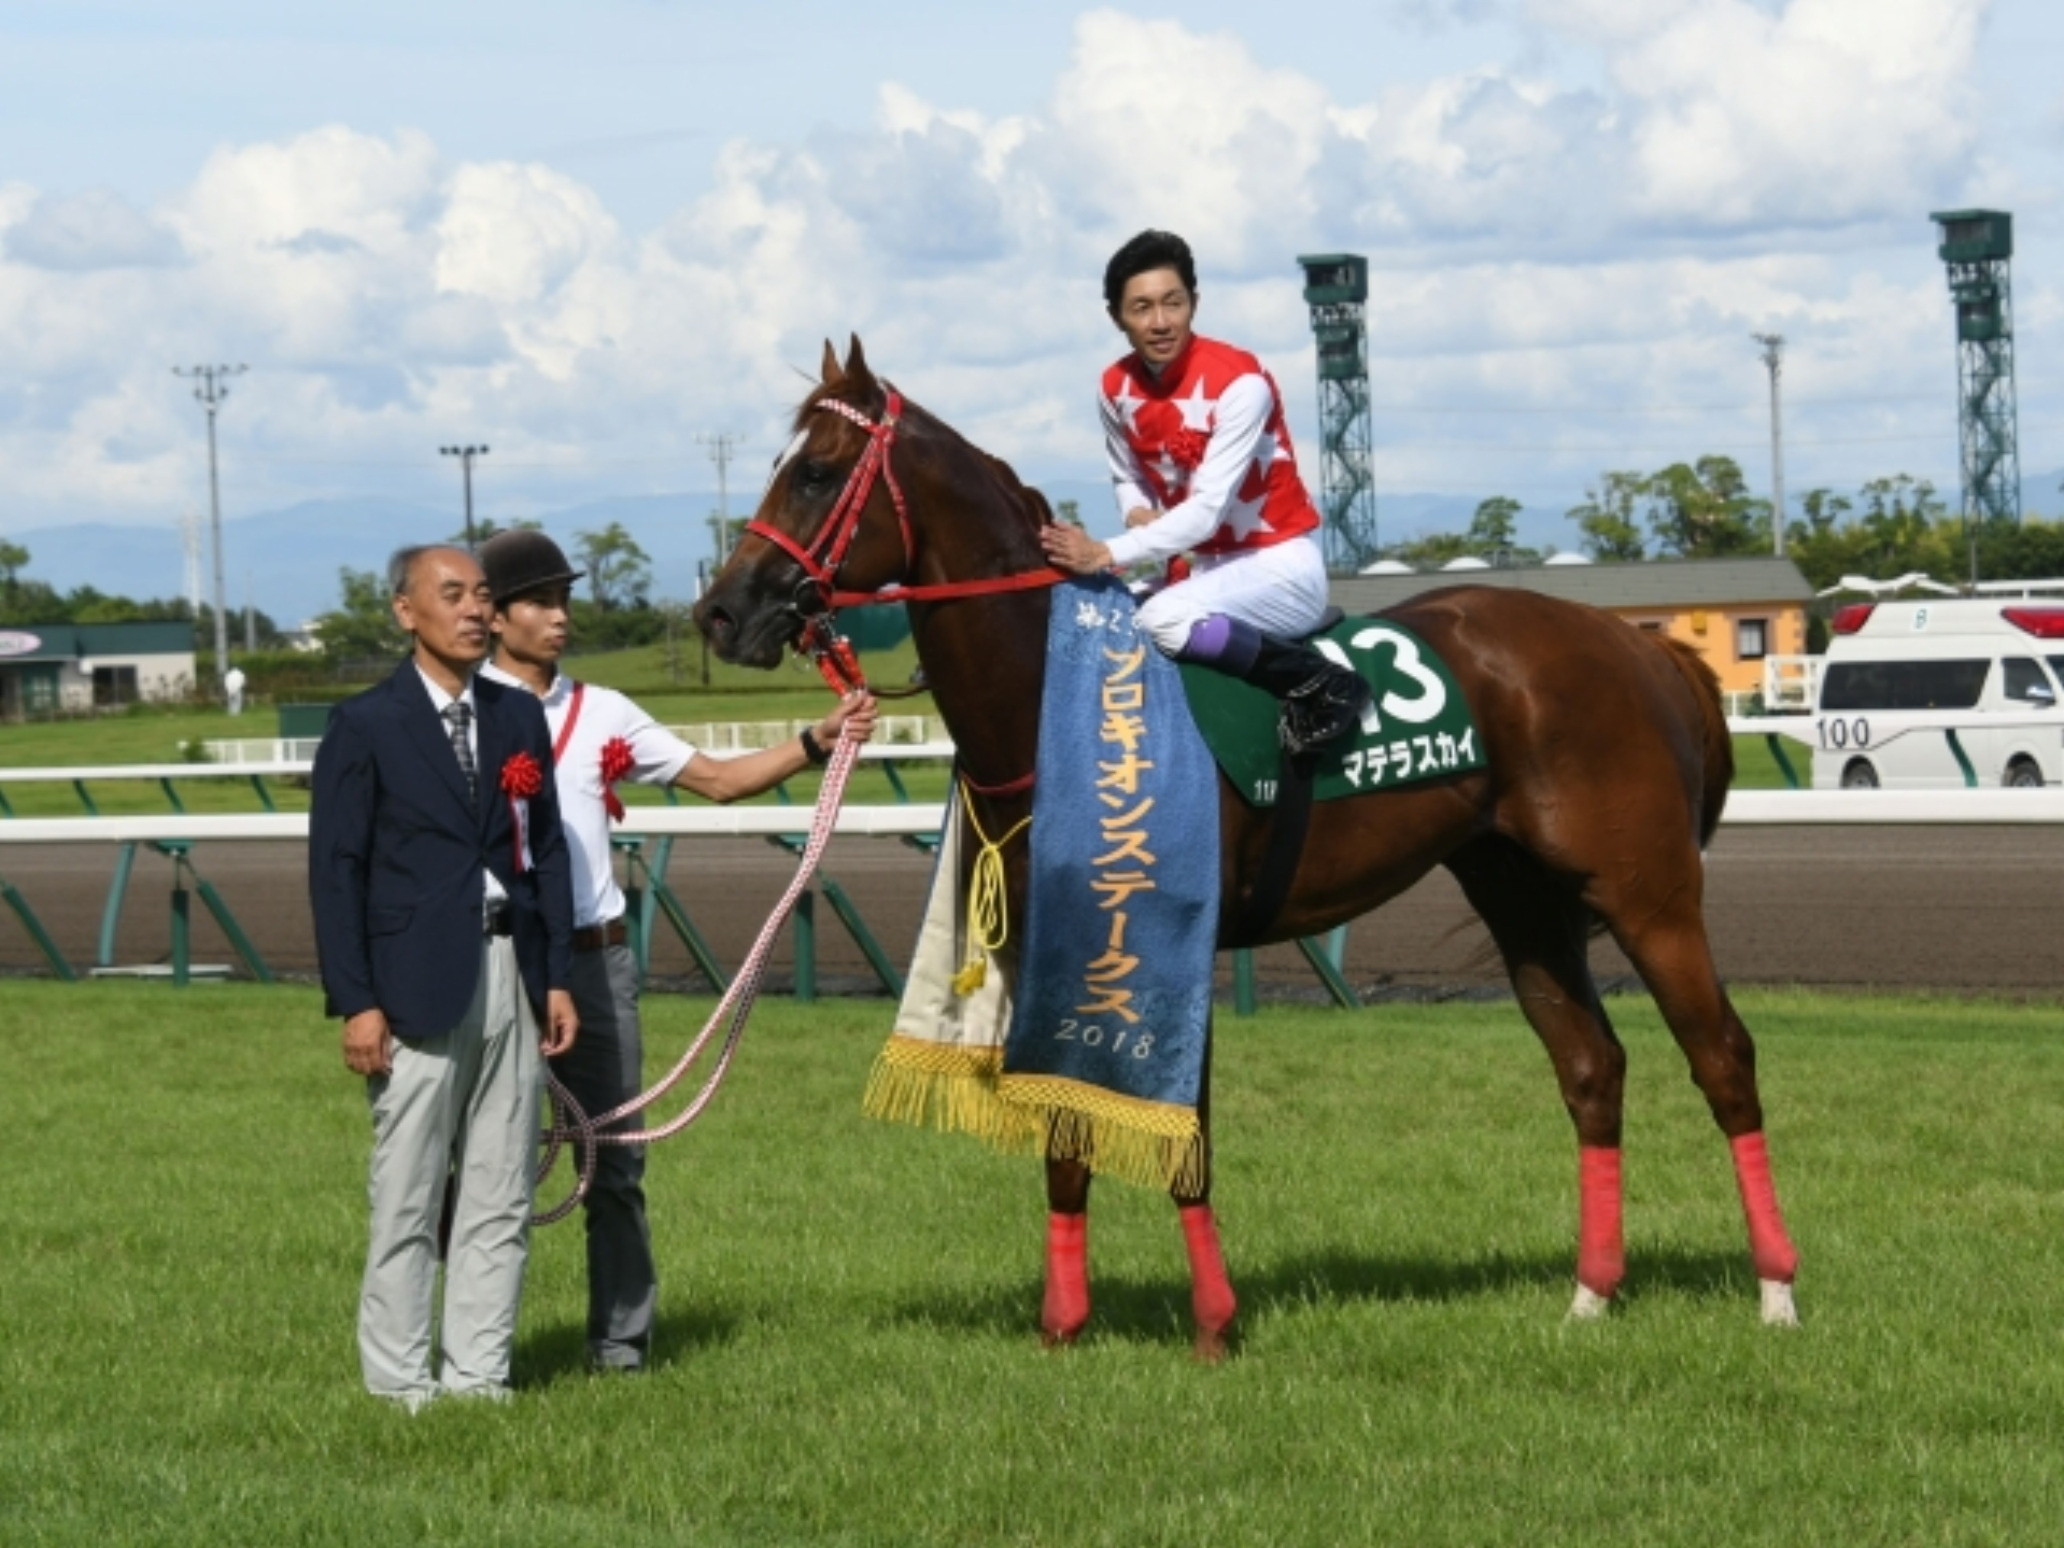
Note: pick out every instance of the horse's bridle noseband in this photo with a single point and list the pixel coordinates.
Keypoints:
(826, 552)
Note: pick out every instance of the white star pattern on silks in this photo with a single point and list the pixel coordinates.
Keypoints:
(1127, 405)
(1197, 409)
(1244, 516)
(1173, 473)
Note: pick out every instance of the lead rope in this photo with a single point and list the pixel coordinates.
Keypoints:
(570, 1124)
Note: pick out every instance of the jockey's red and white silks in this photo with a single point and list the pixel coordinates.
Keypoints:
(1206, 443)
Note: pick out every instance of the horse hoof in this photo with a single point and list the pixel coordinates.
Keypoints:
(1780, 1310)
(1588, 1305)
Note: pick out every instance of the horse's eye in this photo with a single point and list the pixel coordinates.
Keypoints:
(815, 476)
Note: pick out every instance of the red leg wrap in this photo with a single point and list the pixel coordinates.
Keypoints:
(1211, 1293)
(1601, 1250)
(1773, 1252)
(1065, 1309)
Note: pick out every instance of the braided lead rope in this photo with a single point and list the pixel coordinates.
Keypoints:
(737, 1002)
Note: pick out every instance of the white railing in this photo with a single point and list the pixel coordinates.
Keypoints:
(1791, 682)
(719, 737)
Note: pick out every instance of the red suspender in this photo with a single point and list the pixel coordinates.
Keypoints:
(572, 718)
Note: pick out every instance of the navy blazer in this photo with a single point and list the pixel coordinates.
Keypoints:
(396, 853)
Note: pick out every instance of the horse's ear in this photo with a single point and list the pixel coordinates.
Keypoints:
(856, 360)
(832, 374)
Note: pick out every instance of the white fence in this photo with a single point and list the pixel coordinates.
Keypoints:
(718, 737)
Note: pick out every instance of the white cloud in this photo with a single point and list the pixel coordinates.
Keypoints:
(1537, 241)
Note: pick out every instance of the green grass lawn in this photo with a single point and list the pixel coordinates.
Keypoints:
(847, 1354)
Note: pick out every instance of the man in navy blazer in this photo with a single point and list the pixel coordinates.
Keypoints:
(444, 923)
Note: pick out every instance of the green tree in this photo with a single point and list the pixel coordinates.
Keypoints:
(1606, 518)
(13, 558)
(1703, 510)
(619, 571)
(363, 625)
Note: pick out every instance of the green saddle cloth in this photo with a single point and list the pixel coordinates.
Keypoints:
(1422, 727)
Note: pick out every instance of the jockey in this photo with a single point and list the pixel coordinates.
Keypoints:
(1201, 464)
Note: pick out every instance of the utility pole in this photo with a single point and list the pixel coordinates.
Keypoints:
(211, 388)
(466, 454)
(722, 448)
(1773, 357)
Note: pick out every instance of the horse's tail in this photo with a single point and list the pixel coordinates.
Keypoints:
(1718, 742)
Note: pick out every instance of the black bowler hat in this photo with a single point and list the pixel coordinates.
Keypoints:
(523, 560)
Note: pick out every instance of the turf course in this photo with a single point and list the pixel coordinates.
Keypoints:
(847, 1352)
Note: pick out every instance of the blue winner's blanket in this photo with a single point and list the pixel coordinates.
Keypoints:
(1113, 993)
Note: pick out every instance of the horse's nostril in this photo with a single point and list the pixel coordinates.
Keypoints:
(717, 624)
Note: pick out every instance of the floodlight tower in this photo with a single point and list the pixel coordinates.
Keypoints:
(1335, 287)
(1977, 245)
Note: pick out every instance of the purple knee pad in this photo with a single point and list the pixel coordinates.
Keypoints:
(1222, 642)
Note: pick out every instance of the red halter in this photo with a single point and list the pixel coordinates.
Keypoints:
(820, 560)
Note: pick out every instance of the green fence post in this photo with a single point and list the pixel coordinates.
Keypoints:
(111, 912)
(1963, 761)
(180, 919)
(264, 795)
(806, 947)
(870, 948)
(172, 794)
(85, 797)
(1329, 975)
(1243, 982)
(233, 930)
(888, 767)
(37, 933)
(6, 806)
(1776, 741)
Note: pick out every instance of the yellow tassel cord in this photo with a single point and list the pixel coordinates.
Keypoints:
(952, 1089)
(988, 915)
(1153, 1144)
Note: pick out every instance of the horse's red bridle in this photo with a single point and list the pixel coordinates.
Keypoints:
(821, 557)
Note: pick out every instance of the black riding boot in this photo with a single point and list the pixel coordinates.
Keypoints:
(1322, 700)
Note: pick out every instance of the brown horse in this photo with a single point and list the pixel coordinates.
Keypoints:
(1608, 763)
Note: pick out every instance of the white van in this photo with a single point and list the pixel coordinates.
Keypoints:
(1998, 655)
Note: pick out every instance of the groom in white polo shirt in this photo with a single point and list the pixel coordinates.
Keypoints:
(599, 737)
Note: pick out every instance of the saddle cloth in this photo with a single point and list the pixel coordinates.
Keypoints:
(1417, 726)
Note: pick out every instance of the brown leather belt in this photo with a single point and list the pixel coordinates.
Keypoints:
(595, 937)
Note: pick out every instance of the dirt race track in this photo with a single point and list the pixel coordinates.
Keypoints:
(1968, 909)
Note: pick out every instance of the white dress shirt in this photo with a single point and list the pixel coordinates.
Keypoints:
(494, 894)
(657, 758)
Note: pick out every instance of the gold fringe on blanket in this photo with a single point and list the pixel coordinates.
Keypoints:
(963, 1090)
(1153, 1144)
(950, 1088)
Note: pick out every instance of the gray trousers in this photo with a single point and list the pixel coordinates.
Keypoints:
(462, 1107)
(604, 1069)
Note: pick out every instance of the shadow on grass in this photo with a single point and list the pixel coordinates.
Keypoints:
(548, 1355)
(1159, 1308)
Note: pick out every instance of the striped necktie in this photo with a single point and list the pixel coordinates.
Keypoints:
(459, 715)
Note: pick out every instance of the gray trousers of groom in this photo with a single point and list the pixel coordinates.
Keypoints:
(464, 1108)
(604, 1070)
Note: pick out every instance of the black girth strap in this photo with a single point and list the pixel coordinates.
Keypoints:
(1279, 861)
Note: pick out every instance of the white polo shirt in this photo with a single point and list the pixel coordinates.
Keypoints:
(602, 715)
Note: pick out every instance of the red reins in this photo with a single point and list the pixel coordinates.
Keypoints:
(826, 552)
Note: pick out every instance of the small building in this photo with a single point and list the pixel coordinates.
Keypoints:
(70, 668)
(1734, 612)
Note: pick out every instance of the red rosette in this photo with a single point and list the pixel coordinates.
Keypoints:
(521, 777)
(617, 761)
(1186, 448)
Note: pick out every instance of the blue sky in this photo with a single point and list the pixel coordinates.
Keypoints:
(589, 235)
